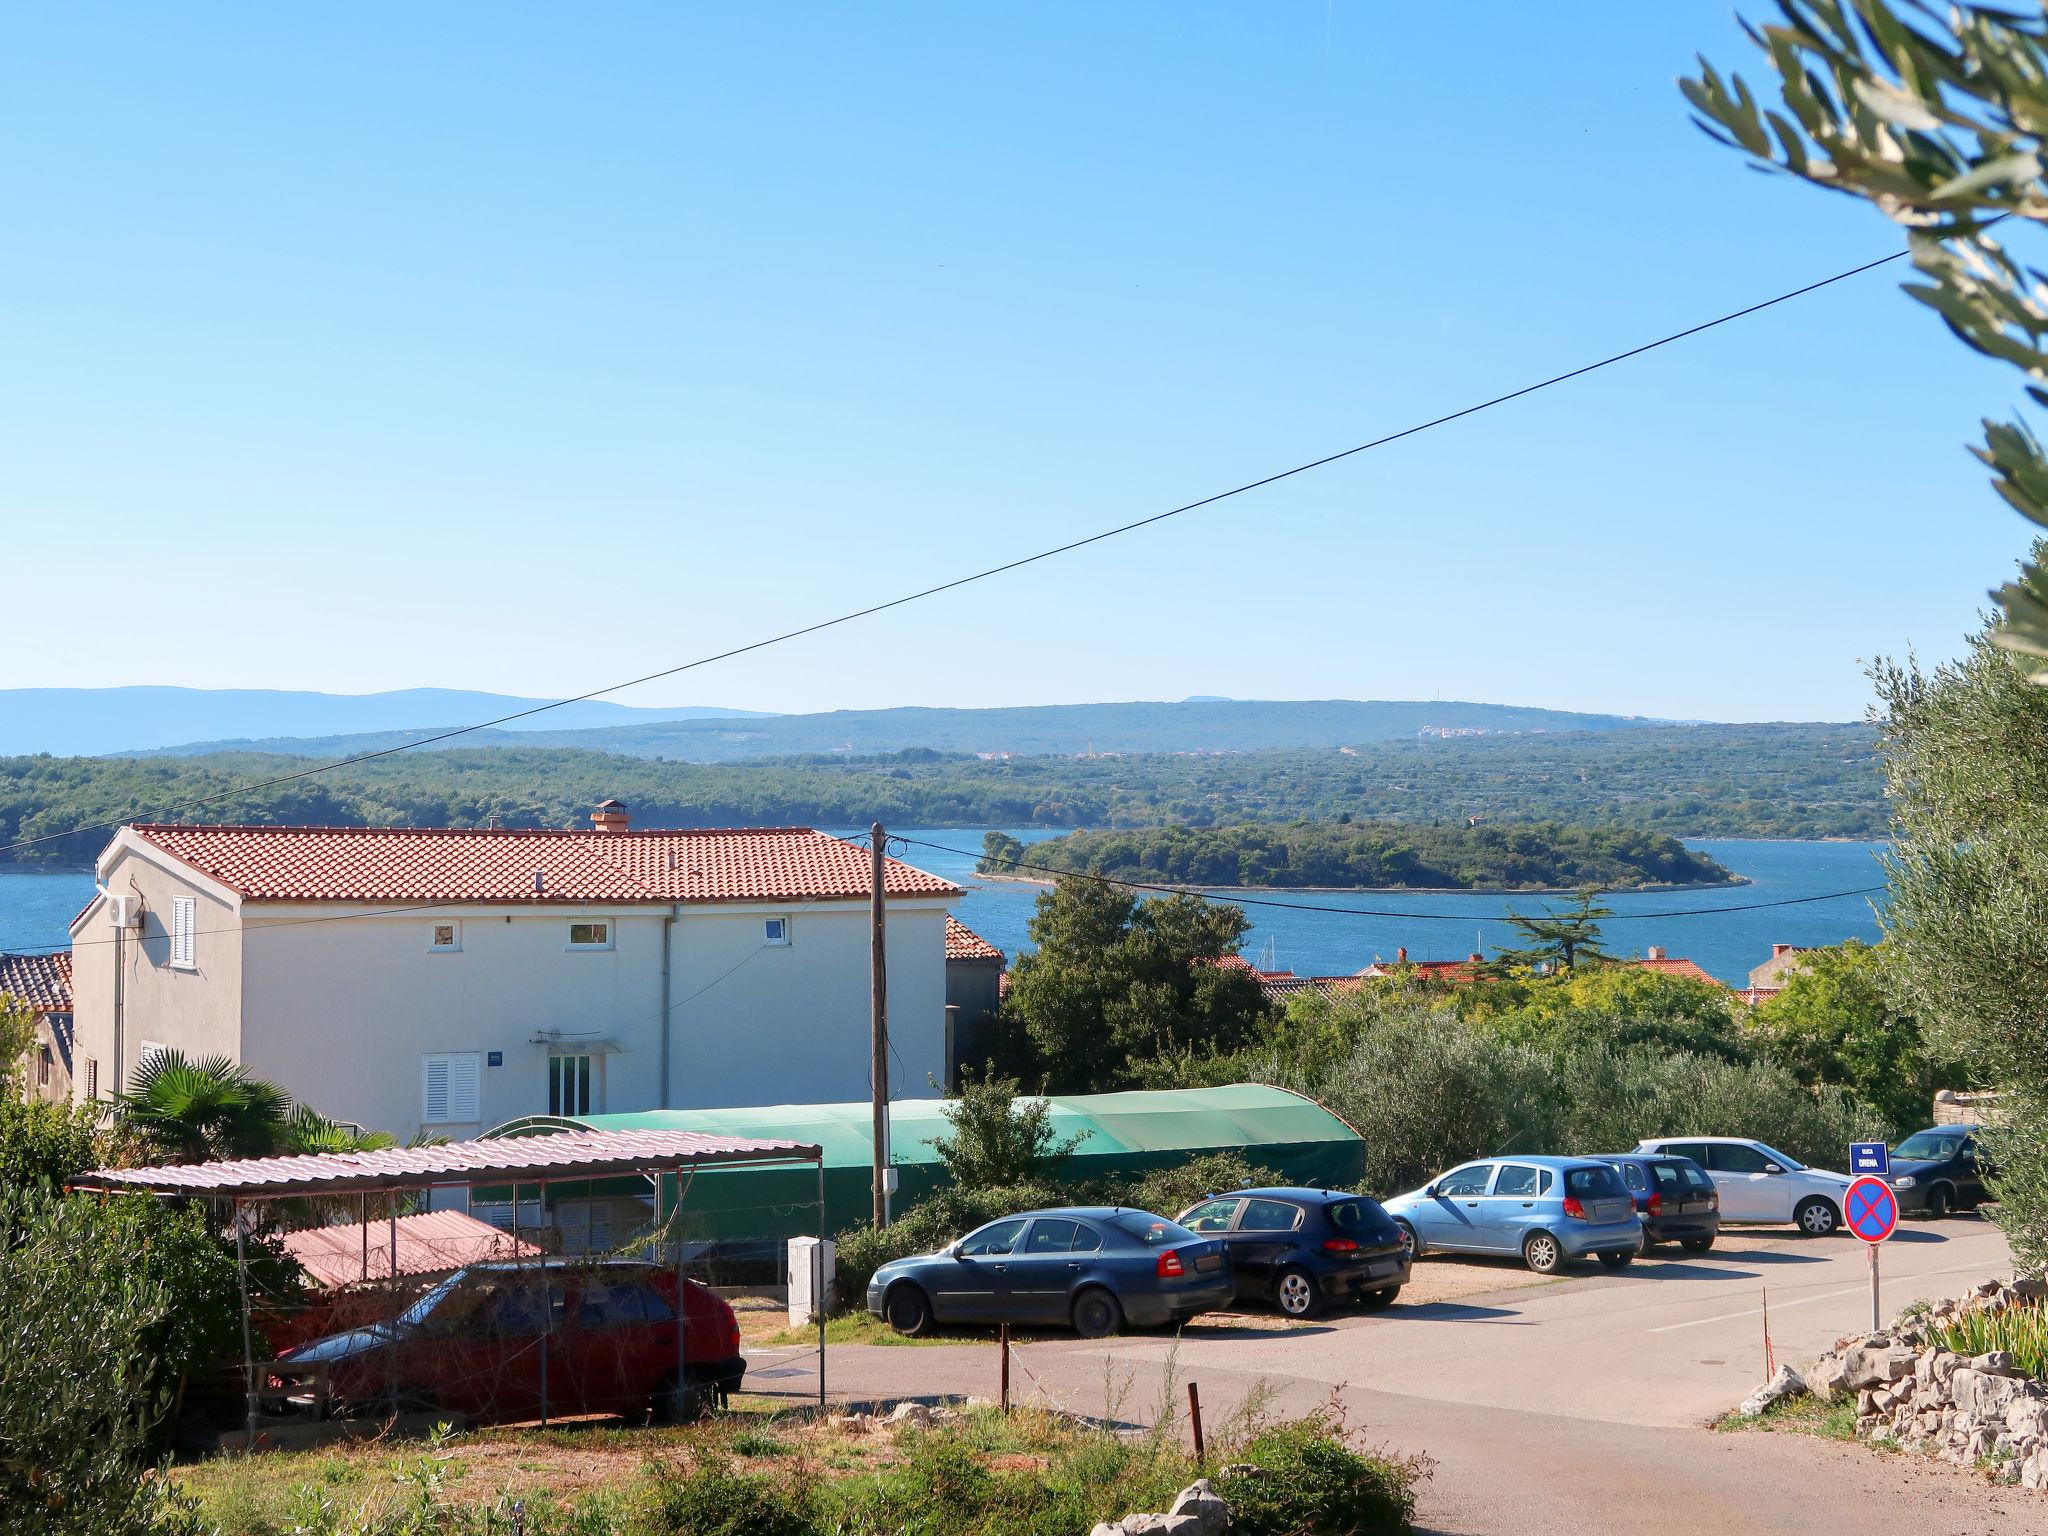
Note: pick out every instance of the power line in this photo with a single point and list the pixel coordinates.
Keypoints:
(1433, 917)
(1005, 567)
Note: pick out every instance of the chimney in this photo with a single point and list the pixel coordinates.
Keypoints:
(1401, 955)
(610, 816)
(1477, 958)
(1780, 949)
(1656, 952)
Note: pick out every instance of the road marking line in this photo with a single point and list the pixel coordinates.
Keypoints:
(1784, 1306)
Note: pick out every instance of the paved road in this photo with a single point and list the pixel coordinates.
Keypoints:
(1572, 1406)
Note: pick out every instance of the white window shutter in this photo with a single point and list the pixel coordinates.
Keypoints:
(434, 1094)
(183, 910)
(465, 1083)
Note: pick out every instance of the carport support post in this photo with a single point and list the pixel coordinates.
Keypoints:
(248, 1348)
(391, 1237)
(547, 1313)
(675, 1232)
(818, 1279)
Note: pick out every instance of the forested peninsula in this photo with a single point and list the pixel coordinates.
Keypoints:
(1351, 855)
(1790, 781)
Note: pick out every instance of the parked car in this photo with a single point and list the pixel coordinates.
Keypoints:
(1758, 1183)
(1093, 1268)
(1938, 1170)
(478, 1344)
(1547, 1209)
(1299, 1248)
(1675, 1200)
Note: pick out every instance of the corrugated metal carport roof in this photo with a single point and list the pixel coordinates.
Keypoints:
(571, 1154)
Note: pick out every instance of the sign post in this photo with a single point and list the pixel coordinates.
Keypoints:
(1872, 1211)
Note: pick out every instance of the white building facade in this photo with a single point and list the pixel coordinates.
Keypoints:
(445, 981)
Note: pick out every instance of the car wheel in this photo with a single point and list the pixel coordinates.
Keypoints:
(1409, 1240)
(1297, 1293)
(1618, 1258)
(1817, 1217)
(1938, 1202)
(1696, 1244)
(908, 1310)
(1542, 1253)
(679, 1402)
(1096, 1313)
(1379, 1300)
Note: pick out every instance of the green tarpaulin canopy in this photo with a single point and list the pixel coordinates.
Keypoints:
(1121, 1135)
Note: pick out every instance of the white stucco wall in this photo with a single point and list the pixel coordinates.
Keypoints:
(790, 1025)
(197, 1011)
(341, 1013)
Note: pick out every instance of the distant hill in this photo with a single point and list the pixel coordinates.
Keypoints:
(1067, 730)
(91, 721)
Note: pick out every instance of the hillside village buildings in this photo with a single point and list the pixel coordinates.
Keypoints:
(445, 981)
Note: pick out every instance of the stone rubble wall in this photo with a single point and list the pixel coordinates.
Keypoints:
(1910, 1390)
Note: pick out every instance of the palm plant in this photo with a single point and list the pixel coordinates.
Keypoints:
(189, 1111)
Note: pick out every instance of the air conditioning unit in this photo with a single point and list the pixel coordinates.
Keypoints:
(124, 911)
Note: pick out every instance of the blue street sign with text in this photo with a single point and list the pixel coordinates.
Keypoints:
(1870, 1157)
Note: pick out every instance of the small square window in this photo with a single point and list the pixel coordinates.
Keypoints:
(778, 931)
(445, 938)
(590, 935)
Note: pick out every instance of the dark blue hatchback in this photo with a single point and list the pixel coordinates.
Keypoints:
(1299, 1248)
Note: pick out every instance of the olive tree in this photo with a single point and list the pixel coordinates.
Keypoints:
(1936, 117)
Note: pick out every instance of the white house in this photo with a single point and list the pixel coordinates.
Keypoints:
(449, 980)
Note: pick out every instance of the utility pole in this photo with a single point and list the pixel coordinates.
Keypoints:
(878, 1016)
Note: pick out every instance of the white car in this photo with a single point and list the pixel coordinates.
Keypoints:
(1758, 1183)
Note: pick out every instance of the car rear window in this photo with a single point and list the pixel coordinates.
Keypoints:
(1362, 1218)
(1152, 1231)
(1593, 1181)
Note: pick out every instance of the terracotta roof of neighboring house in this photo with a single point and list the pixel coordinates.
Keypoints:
(1669, 967)
(468, 864)
(963, 943)
(43, 982)
(1235, 963)
(427, 1244)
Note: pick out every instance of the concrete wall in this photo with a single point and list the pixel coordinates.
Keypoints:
(768, 1025)
(342, 1013)
(197, 1011)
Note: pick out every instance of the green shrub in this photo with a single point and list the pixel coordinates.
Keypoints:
(712, 1499)
(2022, 1330)
(927, 1227)
(1168, 1191)
(1308, 1480)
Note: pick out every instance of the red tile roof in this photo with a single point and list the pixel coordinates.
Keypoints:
(1670, 967)
(963, 943)
(427, 1244)
(500, 1158)
(43, 982)
(468, 864)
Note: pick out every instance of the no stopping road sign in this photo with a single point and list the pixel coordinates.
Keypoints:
(1871, 1210)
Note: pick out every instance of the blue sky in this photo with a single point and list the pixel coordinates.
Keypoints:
(529, 347)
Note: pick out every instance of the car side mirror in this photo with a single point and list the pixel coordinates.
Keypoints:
(1429, 1191)
(1772, 1168)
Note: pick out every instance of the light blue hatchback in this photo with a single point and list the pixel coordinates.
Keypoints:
(1545, 1209)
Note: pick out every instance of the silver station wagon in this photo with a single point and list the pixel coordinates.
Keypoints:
(1544, 1209)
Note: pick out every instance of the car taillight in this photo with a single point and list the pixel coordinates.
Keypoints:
(1714, 1201)
(1656, 1205)
(1339, 1245)
(1169, 1265)
(1573, 1209)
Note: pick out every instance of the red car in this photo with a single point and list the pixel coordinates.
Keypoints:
(481, 1344)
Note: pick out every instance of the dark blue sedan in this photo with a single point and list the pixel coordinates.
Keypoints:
(1093, 1268)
